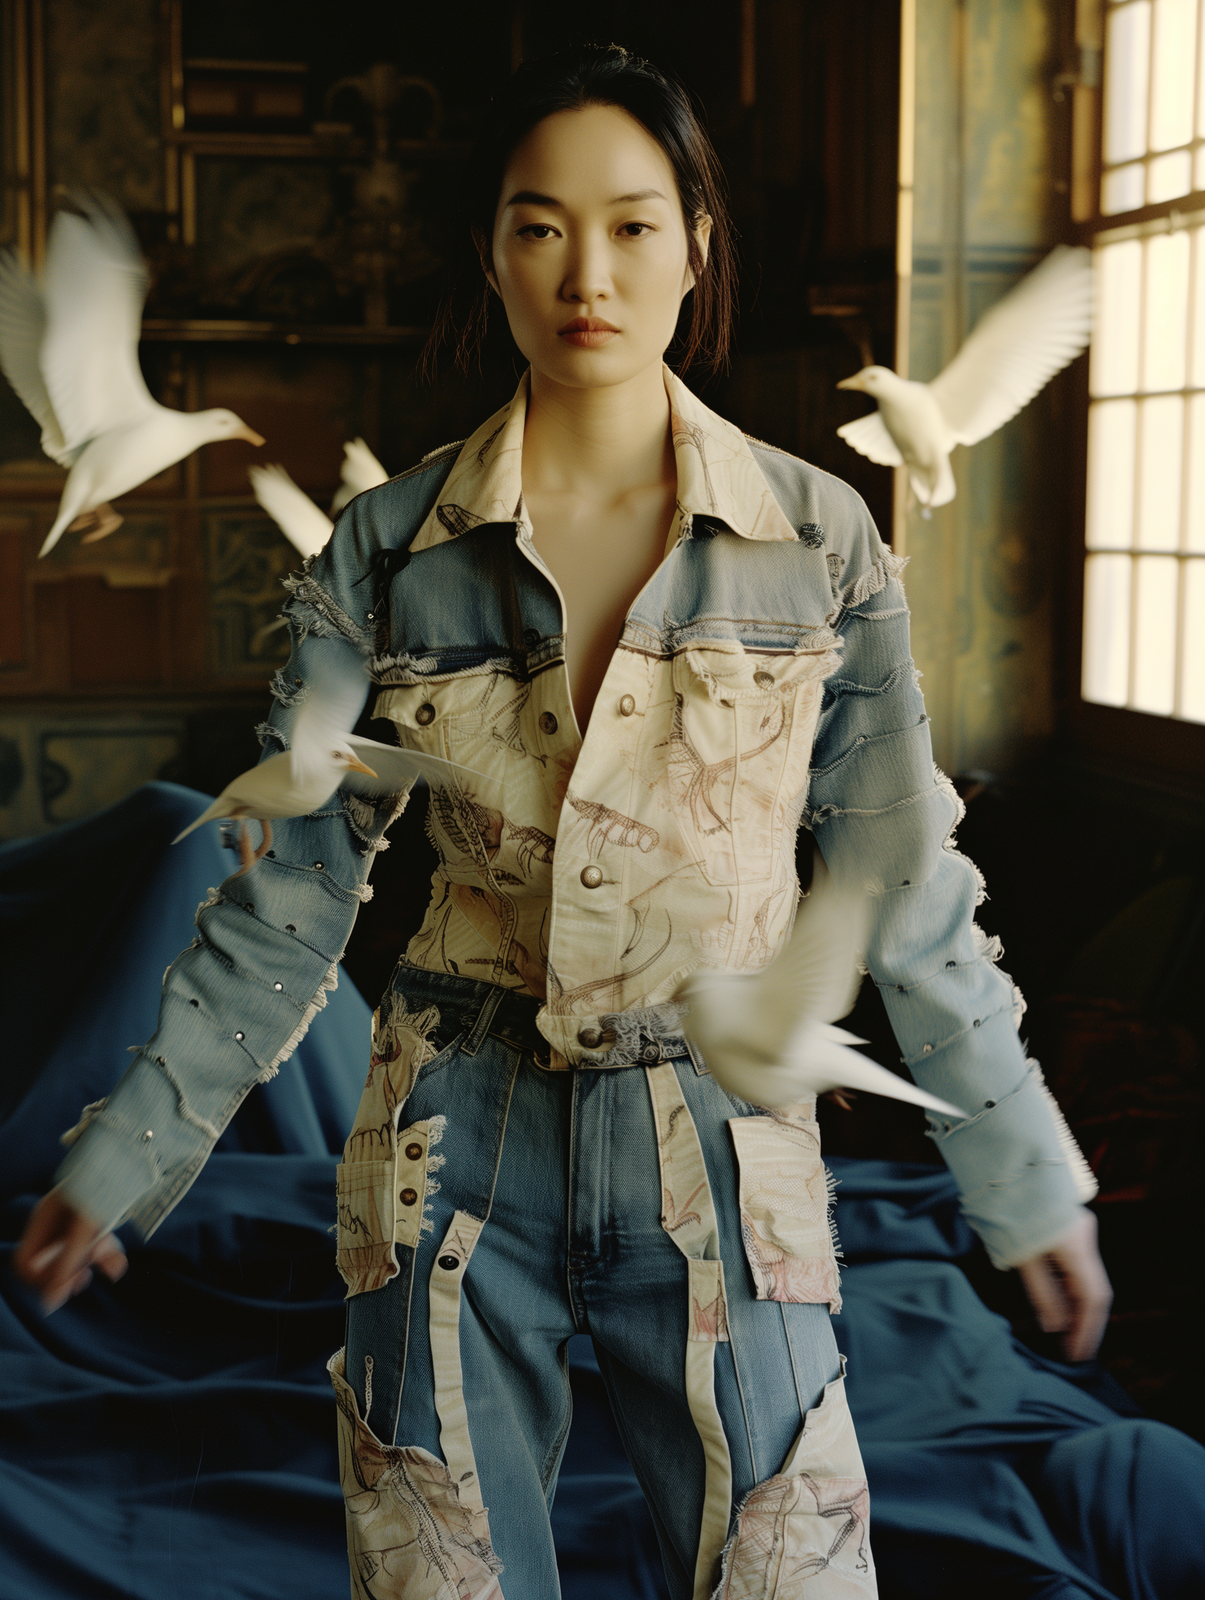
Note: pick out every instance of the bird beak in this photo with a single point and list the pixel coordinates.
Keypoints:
(250, 435)
(356, 765)
(853, 383)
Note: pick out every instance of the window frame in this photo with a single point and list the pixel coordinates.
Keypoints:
(1163, 748)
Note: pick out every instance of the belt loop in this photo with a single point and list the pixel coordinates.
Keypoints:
(482, 1025)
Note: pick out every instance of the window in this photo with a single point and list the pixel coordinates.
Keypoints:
(1144, 575)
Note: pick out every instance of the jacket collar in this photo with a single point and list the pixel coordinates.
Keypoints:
(717, 475)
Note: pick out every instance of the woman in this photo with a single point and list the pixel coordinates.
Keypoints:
(643, 629)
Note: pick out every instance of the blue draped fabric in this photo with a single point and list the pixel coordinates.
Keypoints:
(171, 1437)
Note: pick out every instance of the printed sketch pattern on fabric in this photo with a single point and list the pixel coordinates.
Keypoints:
(409, 1536)
(785, 1206)
(803, 1534)
(688, 806)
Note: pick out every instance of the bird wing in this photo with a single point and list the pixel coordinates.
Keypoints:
(22, 329)
(94, 286)
(816, 976)
(361, 470)
(397, 769)
(1018, 346)
(870, 438)
(305, 526)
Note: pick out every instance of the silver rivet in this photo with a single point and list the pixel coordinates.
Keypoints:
(592, 877)
(372, 617)
(148, 1136)
(626, 705)
(764, 680)
(278, 987)
(975, 1024)
(589, 1038)
(239, 1036)
(319, 866)
(927, 1051)
(987, 1106)
(951, 963)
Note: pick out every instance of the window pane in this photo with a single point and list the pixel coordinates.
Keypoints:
(1197, 363)
(1155, 635)
(1166, 293)
(1127, 54)
(1173, 64)
(1115, 343)
(1169, 176)
(1192, 684)
(1195, 530)
(1111, 443)
(1123, 189)
(1106, 629)
(1161, 454)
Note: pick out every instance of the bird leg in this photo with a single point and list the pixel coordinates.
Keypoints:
(246, 855)
(96, 524)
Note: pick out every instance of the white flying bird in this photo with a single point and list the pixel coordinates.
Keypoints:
(69, 347)
(1014, 350)
(324, 756)
(296, 515)
(767, 1036)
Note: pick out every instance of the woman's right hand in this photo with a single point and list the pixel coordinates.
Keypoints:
(59, 1249)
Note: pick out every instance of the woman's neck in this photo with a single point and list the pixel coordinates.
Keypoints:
(597, 444)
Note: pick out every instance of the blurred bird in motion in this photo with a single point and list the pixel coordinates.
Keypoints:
(768, 1037)
(69, 347)
(295, 514)
(1014, 350)
(324, 756)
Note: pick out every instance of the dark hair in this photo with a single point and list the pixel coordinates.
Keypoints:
(567, 80)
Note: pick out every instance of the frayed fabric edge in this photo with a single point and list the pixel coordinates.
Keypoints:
(329, 982)
(314, 611)
(1082, 1176)
(872, 581)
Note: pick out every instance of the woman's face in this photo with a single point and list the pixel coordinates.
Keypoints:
(589, 225)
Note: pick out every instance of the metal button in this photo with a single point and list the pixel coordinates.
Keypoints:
(547, 722)
(592, 877)
(927, 1051)
(425, 714)
(764, 680)
(413, 1151)
(319, 866)
(651, 1052)
(589, 1038)
(531, 636)
(626, 706)
(238, 1036)
(449, 1262)
(148, 1136)
(408, 1196)
(278, 987)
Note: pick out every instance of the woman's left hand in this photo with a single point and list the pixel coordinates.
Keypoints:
(1069, 1289)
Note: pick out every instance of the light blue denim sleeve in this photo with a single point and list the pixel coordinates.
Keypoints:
(238, 1001)
(883, 815)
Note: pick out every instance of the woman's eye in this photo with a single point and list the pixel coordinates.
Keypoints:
(533, 227)
(645, 226)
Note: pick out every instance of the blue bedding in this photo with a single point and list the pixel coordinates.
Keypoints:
(171, 1437)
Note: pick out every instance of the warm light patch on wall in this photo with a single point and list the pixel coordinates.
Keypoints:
(1144, 583)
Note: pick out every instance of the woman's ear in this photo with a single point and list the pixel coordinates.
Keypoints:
(487, 265)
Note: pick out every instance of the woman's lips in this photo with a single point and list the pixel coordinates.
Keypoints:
(588, 338)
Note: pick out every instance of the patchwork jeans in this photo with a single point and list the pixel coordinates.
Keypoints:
(642, 1205)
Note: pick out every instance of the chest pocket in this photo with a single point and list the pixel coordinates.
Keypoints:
(740, 745)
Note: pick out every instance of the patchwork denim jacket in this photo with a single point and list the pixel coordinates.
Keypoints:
(762, 680)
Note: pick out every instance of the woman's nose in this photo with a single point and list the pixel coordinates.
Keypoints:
(587, 278)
